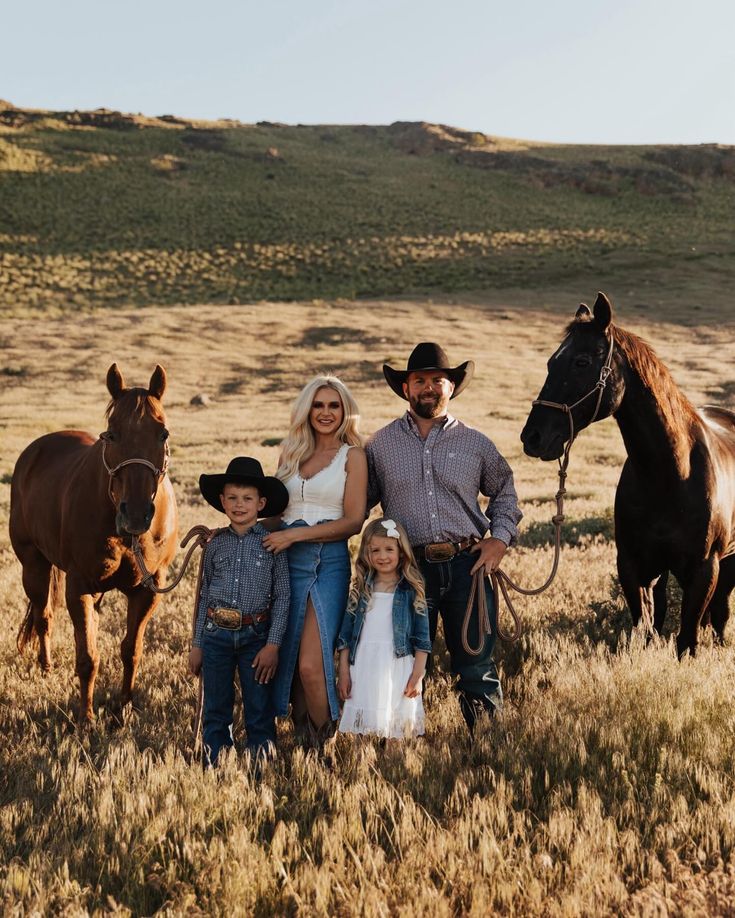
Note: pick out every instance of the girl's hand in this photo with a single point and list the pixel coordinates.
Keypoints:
(344, 684)
(279, 541)
(413, 686)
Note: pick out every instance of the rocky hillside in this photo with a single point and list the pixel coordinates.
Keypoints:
(108, 208)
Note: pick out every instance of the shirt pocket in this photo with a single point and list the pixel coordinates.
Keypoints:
(222, 565)
(456, 469)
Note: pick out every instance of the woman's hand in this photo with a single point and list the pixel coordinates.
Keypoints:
(413, 686)
(279, 541)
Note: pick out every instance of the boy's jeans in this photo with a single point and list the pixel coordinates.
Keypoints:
(223, 652)
(447, 590)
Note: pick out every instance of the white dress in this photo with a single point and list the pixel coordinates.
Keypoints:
(379, 679)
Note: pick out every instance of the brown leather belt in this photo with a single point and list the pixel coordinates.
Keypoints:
(234, 619)
(443, 551)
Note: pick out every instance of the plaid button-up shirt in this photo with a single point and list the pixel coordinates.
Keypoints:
(431, 486)
(240, 574)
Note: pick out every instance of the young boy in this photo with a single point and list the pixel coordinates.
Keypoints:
(243, 607)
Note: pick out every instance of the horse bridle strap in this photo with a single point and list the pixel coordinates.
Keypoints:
(113, 470)
(599, 388)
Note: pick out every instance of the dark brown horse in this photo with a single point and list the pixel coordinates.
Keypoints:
(75, 503)
(675, 501)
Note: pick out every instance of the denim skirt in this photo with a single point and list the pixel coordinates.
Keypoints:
(320, 570)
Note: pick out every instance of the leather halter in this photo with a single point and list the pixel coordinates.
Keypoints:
(112, 471)
(598, 387)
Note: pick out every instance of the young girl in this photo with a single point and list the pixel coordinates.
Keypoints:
(384, 640)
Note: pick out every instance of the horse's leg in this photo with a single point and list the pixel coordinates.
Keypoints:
(697, 594)
(719, 608)
(81, 607)
(40, 616)
(660, 602)
(141, 605)
(638, 596)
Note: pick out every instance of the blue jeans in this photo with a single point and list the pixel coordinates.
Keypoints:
(223, 653)
(447, 590)
(320, 571)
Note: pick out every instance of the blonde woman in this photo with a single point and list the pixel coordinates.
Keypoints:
(324, 469)
(384, 640)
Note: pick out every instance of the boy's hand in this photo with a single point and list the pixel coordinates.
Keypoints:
(265, 663)
(195, 661)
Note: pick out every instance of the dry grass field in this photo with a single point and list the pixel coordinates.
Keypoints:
(605, 787)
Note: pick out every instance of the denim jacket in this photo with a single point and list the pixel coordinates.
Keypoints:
(410, 628)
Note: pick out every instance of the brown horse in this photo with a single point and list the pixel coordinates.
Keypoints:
(675, 501)
(75, 503)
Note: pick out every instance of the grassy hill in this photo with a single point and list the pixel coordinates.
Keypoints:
(106, 208)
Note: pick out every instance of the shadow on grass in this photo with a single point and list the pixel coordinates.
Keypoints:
(574, 532)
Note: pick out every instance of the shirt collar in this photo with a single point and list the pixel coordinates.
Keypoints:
(410, 424)
(257, 529)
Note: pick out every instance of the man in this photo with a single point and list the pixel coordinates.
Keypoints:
(427, 469)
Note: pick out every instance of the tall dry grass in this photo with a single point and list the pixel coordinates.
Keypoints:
(606, 785)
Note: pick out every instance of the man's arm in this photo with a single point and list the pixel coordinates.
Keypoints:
(497, 484)
(374, 491)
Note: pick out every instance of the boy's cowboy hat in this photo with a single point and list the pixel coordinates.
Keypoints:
(430, 356)
(244, 470)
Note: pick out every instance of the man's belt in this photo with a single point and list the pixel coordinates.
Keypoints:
(443, 551)
(234, 619)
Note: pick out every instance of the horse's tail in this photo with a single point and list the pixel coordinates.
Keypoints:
(27, 630)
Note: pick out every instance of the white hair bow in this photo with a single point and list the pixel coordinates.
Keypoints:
(391, 529)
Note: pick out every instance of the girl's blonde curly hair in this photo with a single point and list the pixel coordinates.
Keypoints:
(362, 581)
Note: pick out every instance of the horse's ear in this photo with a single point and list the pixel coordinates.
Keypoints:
(157, 385)
(603, 312)
(583, 312)
(115, 382)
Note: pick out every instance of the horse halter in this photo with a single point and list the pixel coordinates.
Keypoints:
(598, 387)
(158, 473)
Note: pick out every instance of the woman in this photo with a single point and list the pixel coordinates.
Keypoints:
(323, 466)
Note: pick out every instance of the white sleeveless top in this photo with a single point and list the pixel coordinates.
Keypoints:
(320, 497)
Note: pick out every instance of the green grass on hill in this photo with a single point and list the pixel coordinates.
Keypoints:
(102, 208)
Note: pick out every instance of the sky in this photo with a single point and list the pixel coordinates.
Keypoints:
(569, 71)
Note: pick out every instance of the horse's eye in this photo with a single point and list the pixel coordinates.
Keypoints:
(109, 435)
(164, 435)
(582, 361)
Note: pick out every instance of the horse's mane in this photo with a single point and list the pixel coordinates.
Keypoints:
(675, 407)
(135, 403)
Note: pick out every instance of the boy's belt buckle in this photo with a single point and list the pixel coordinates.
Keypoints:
(440, 551)
(227, 618)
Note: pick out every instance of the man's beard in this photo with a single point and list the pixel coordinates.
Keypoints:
(429, 408)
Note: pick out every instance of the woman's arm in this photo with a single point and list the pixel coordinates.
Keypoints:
(347, 525)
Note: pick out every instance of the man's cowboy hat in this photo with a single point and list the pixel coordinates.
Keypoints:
(430, 356)
(243, 470)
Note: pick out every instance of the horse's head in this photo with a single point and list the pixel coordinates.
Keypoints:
(583, 383)
(135, 449)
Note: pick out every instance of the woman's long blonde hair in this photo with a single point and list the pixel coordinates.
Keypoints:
(362, 581)
(300, 442)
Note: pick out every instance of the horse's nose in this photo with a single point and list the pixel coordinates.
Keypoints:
(149, 513)
(124, 508)
(531, 440)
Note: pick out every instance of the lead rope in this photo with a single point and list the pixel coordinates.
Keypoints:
(499, 578)
(203, 536)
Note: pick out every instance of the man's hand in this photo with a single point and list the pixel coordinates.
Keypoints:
(265, 663)
(490, 553)
(195, 661)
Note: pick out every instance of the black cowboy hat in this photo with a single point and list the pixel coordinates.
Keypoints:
(430, 356)
(244, 470)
